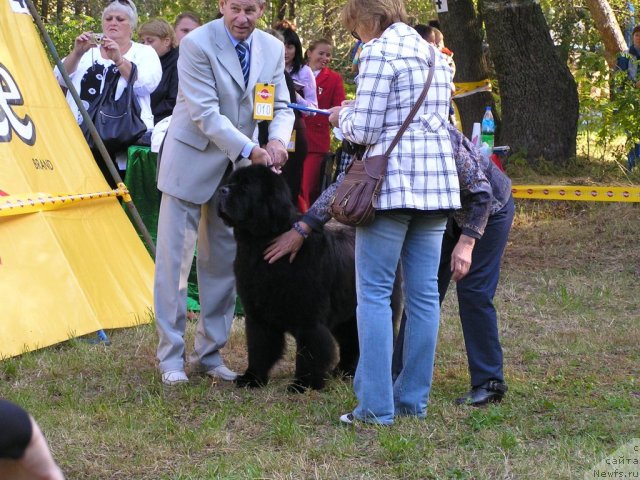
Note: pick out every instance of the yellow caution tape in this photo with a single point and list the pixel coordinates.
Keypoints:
(579, 193)
(464, 89)
(125, 192)
(456, 113)
(39, 202)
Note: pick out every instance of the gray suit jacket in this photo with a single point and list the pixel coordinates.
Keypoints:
(213, 117)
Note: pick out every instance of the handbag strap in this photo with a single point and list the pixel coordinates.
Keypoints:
(418, 104)
(112, 85)
(133, 76)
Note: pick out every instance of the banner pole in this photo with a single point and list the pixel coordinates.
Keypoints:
(135, 215)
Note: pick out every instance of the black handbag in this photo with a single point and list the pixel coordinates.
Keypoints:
(118, 122)
(356, 196)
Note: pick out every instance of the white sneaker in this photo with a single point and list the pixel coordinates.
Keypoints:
(347, 418)
(221, 371)
(174, 377)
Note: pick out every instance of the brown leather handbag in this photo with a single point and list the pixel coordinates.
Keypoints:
(356, 196)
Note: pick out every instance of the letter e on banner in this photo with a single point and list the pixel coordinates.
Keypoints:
(9, 96)
(441, 6)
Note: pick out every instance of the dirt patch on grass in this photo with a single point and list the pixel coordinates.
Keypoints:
(568, 235)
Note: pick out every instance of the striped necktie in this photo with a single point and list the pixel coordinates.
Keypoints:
(242, 49)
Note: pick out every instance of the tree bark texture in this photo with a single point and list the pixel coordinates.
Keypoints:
(281, 9)
(462, 32)
(607, 24)
(330, 12)
(44, 10)
(292, 10)
(59, 10)
(539, 97)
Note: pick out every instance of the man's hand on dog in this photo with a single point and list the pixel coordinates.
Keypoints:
(278, 153)
(274, 155)
(259, 156)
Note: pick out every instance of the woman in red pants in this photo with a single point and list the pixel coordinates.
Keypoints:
(330, 90)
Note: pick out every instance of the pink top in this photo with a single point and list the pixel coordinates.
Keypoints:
(305, 82)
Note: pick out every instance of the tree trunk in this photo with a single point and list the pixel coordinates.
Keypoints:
(606, 23)
(281, 9)
(44, 10)
(463, 35)
(292, 11)
(59, 11)
(539, 97)
(329, 13)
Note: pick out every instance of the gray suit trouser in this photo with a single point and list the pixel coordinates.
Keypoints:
(180, 225)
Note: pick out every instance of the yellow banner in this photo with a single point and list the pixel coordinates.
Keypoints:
(69, 271)
(464, 89)
(578, 193)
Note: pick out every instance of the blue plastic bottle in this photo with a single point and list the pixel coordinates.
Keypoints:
(488, 128)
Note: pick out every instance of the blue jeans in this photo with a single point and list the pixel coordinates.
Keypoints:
(415, 240)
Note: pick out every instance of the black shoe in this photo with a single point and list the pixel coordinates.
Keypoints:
(489, 392)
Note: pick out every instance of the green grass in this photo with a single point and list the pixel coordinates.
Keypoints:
(569, 308)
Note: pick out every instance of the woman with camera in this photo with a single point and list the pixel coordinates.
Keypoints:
(96, 58)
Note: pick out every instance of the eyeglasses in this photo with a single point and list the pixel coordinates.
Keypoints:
(355, 35)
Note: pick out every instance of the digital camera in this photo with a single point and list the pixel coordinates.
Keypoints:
(97, 38)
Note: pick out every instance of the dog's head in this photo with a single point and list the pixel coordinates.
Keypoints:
(256, 201)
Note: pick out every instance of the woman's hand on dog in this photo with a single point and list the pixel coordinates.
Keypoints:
(287, 243)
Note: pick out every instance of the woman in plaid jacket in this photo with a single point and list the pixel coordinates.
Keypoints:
(420, 189)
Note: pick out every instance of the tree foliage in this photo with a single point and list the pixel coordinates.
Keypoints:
(571, 26)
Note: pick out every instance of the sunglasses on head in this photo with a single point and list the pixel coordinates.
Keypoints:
(126, 3)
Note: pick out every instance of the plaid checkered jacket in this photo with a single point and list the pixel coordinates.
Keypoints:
(392, 72)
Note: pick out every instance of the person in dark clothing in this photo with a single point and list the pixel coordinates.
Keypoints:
(472, 248)
(23, 448)
(160, 35)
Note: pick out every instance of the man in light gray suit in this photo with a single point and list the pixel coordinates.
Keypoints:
(210, 134)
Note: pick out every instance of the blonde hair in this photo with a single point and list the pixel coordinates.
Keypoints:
(438, 37)
(160, 28)
(373, 15)
(320, 41)
(315, 44)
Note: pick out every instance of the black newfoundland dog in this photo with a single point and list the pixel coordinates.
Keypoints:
(313, 298)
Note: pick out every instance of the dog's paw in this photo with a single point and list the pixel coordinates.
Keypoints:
(296, 387)
(249, 381)
(343, 373)
(300, 385)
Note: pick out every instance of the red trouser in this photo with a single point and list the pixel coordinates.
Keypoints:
(310, 185)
